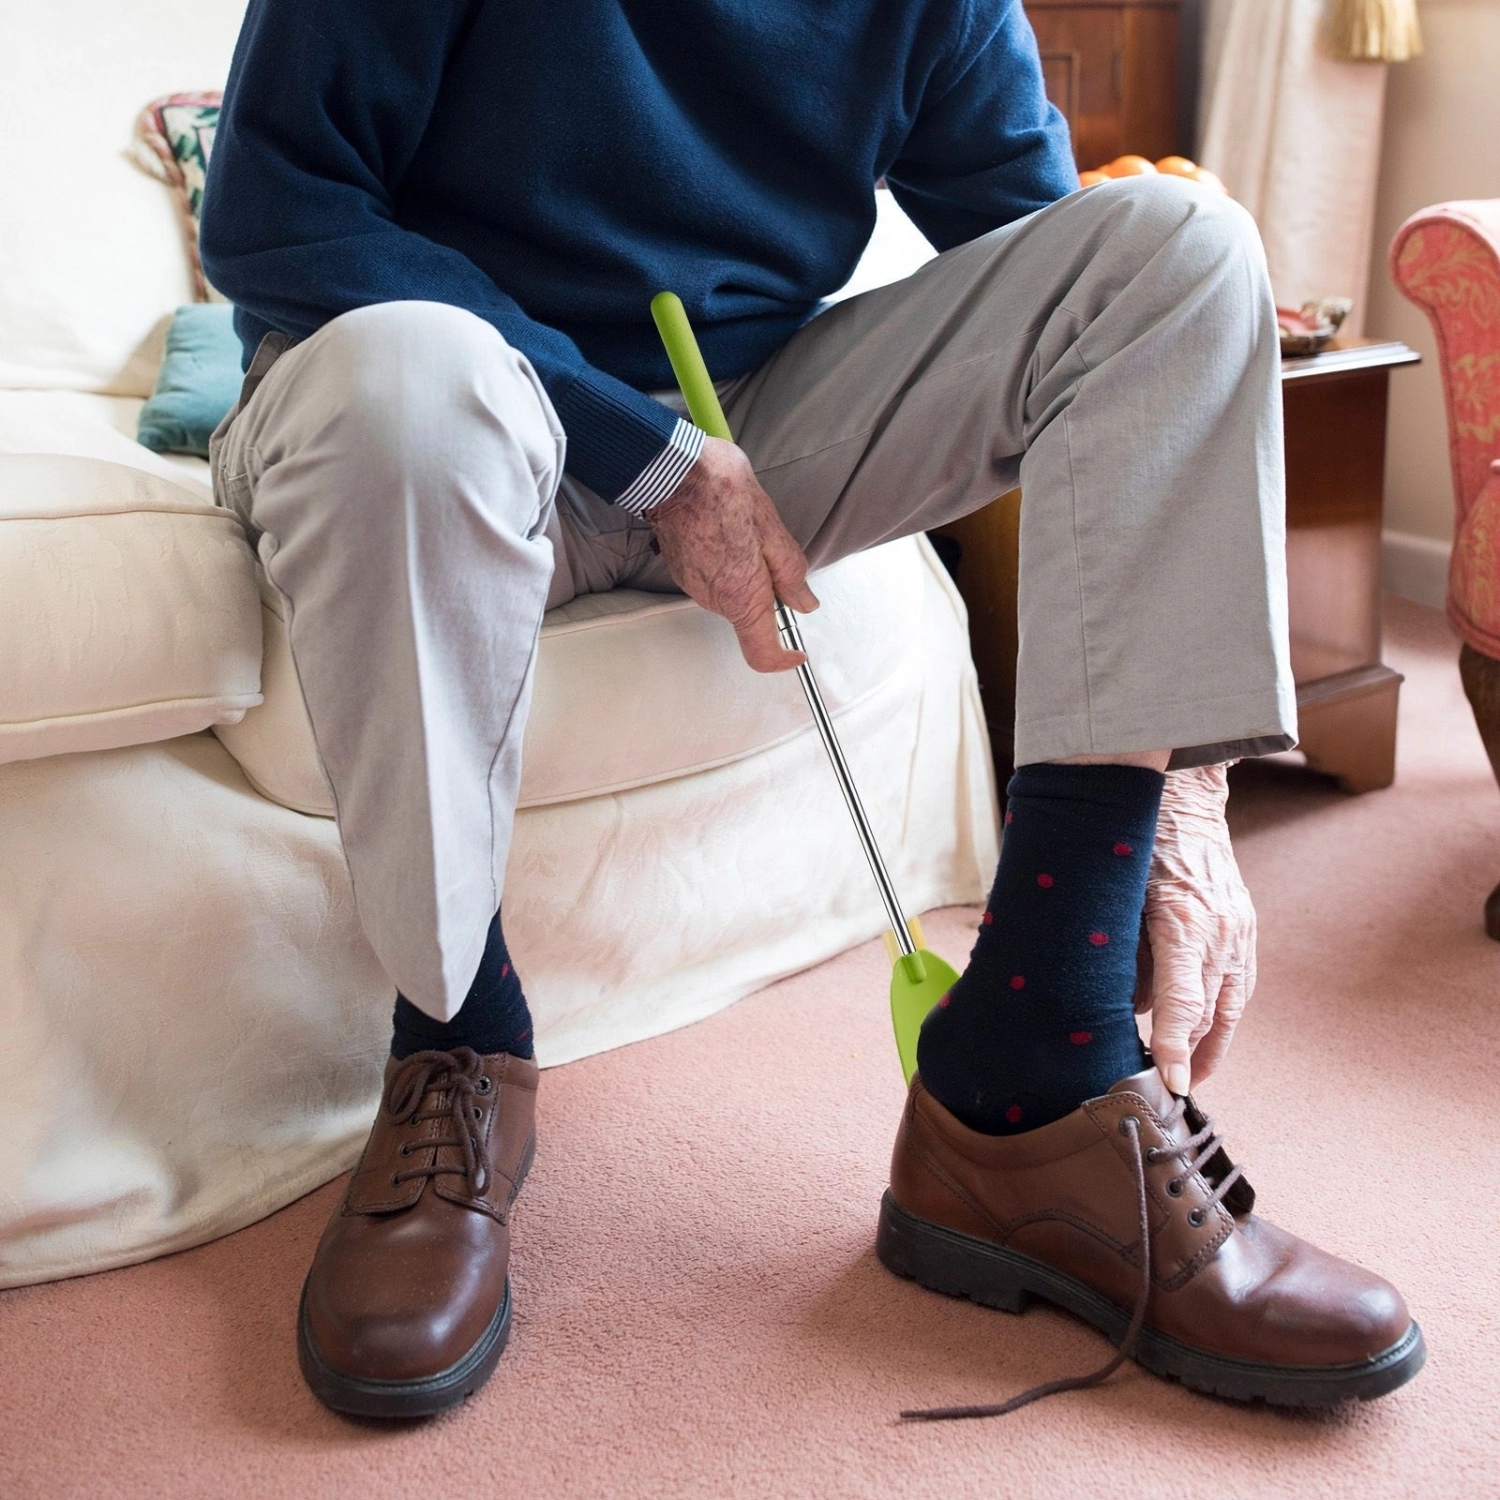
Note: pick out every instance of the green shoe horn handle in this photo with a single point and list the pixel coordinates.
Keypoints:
(687, 365)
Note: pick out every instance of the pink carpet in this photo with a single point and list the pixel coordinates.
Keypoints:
(700, 1311)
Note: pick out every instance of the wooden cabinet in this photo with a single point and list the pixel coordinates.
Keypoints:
(1112, 69)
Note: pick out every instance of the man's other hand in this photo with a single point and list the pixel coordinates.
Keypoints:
(1197, 954)
(725, 547)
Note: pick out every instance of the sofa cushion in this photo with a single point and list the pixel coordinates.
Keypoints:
(662, 669)
(91, 257)
(130, 609)
(658, 682)
(668, 680)
(83, 425)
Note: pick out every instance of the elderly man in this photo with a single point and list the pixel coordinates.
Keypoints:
(441, 222)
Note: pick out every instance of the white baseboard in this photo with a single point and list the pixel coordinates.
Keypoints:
(1416, 567)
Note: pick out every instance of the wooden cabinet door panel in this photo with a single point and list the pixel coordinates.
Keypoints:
(1149, 95)
(1083, 62)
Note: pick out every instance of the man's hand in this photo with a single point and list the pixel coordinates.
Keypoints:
(725, 547)
(1197, 952)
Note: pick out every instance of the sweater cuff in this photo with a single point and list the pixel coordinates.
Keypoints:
(614, 432)
(665, 472)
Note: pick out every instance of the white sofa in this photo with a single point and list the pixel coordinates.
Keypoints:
(192, 1020)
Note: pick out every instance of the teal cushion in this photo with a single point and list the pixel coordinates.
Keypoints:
(199, 381)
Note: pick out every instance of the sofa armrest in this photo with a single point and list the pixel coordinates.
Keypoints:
(130, 609)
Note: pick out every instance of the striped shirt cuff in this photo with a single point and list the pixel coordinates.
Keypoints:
(665, 472)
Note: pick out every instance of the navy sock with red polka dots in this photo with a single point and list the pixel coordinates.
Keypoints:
(493, 1018)
(1043, 1016)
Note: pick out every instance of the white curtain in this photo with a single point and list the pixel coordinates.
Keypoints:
(1296, 138)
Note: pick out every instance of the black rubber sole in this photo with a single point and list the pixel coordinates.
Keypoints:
(962, 1266)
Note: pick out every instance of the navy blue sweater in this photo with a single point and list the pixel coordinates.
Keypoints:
(551, 164)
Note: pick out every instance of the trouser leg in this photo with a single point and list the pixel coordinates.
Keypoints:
(1115, 354)
(398, 470)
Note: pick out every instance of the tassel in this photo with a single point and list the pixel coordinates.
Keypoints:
(1374, 30)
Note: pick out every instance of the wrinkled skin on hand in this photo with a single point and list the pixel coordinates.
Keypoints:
(726, 548)
(1196, 964)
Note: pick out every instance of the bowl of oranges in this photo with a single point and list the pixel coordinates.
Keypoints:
(1140, 166)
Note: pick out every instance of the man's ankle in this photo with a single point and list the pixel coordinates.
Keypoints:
(493, 1018)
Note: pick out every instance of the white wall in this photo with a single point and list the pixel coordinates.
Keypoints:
(1441, 140)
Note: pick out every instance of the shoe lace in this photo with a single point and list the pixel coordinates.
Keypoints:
(455, 1078)
(1192, 1153)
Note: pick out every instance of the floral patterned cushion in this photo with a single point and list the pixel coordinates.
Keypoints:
(175, 137)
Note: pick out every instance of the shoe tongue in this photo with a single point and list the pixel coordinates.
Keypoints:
(1149, 1086)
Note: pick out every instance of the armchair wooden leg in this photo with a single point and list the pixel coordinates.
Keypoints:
(1481, 679)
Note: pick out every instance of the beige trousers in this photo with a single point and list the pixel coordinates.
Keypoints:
(402, 474)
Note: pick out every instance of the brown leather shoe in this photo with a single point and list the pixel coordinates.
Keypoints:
(1224, 1301)
(406, 1309)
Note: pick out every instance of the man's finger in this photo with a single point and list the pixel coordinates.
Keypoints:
(760, 641)
(1249, 969)
(787, 564)
(1209, 1053)
(1213, 982)
(1175, 1012)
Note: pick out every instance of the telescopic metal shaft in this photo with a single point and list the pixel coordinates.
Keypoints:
(791, 637)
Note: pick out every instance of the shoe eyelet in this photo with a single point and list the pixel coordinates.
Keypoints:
(1130, 1120)
(395, 1180)
(1174, 1188)
(1153, 1155)
(405, 1149)
(478, 1113)
(1197, 1217)
(483, 1086)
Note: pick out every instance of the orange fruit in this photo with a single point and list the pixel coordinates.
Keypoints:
(1177, 166)
(1130, 166)
(1092, 179)
(1207, 179)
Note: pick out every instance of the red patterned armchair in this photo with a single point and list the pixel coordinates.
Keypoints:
(1446, 259)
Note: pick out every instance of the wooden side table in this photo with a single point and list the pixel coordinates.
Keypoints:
(1335, 414)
